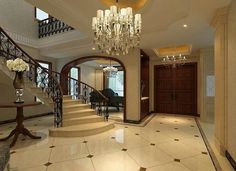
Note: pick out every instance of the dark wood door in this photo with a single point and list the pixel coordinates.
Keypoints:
(176, 89)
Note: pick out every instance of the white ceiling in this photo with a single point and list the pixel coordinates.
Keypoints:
(162, 23)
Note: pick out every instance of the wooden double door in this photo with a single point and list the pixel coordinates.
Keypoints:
(176, 89)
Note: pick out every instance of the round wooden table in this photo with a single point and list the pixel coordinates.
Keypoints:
(20, 129)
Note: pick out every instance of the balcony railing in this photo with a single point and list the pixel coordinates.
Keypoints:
(51, 26)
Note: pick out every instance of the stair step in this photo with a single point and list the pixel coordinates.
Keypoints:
(69, 108)
(82, 120)
(81, 130)
(79, 113)
(68, 97)
(67, 102)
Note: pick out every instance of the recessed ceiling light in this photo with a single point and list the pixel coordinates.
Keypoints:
(185, 25)
(93, 48)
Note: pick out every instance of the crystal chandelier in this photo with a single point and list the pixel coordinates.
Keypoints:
(110, 71)
(174, 60)
(116, 30)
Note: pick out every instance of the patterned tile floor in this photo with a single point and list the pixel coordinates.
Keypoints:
(166, 143)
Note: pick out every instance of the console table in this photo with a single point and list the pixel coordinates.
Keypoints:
(20, 129)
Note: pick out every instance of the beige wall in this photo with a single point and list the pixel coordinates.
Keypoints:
(87, 74)
(231, 118)
(35, 53)
(99, 79)
(132, 65)
(17, 16)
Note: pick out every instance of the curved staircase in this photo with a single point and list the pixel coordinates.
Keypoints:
(79, 120)
(73, 117)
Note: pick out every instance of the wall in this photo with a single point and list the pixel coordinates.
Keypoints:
(35, 53)
(87, 74)
(7, 95)
(206, 69)
(17, 16)
(99, 79)
(231, 118)
(132, 66)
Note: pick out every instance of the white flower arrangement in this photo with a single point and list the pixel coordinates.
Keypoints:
(17, 65)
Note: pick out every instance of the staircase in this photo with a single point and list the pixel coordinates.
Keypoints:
(73, 115)
(79, 120)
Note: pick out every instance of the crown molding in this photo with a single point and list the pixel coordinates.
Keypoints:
(46, 42)
(220, 17)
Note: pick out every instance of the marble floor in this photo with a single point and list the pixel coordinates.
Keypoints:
(209, 132)
(166, 143)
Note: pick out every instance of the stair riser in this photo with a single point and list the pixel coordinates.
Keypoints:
(76, 108)
(77, 115)
(55, 133)
(67, 97)
(65, 103)
(82, 121)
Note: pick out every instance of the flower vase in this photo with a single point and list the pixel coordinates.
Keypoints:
(18, 84)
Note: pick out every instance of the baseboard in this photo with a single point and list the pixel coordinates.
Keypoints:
(231, 160)
(27, 117)
(132, 121)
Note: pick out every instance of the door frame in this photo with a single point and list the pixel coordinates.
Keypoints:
(195, 64)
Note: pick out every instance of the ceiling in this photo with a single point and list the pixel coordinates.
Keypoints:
(162, 21)
(100, 63)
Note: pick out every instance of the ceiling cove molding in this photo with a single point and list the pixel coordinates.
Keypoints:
(48, 41)
(23, 40)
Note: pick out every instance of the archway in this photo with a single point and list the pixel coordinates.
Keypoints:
(67, 67)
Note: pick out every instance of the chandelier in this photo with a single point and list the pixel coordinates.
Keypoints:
(116, 30)
(174, 60)
(110, 71)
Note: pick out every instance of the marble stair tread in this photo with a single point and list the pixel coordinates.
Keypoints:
(76, 105)
(71, 100)
(84, 117)
(67, 97)
(82, 120)
(79, 111)
(81, 130)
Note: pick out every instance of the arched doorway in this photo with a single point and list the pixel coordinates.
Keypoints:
(75, 63)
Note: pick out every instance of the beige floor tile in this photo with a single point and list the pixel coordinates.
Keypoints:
(40, 168)
(132, 141)
(178, 150)
(149, 156)
(103, 146)
(67, 141)
(169, 167)
(199, 163)
(68, 152)
(118, 161)
(29, 158)
(84, 164)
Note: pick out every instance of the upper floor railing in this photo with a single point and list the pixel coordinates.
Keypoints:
(51, 26)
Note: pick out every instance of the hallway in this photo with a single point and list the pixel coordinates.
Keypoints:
(166, 143)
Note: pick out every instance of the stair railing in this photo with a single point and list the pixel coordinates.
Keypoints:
(37, 74)
(80, 90)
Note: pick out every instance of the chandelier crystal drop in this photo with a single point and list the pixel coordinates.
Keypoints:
(116, 30)
(174, 60)
(110, 71)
